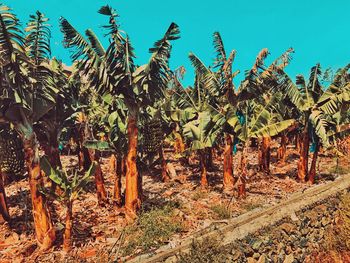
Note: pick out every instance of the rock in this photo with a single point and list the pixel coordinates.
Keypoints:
(294, 217)
(288, 228)
(305, 231)
(268, 241)
(236, 255)
(321, 234)
(281, 255)
(289, 259)
(171, 259)
(256, 255)
(257, 244)
(325, 221)
(313, 216)
(248, 251)
(280, 248)
(303, 242)
(262, 259)
(251, 260)
(289, 250)
(305, 223)
(321, 209)
(229, 259)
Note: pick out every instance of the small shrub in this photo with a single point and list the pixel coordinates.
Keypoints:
(221, 211)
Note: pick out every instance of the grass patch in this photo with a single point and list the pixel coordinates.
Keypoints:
(221, 211)
(208, 250)
(151, 230)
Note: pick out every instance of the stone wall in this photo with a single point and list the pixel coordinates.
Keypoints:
(292, 239)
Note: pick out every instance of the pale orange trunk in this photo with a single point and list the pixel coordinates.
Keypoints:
(282, 150)
(94, 156)
(116, 167)
(312, 173)
(45, 232)
(133, 189)
(298, 142)
(264, 155)
(243, 173)
(67, 236)
(304, 156)
(4, 213)
(165, 175)
(179, 144)
(100, 187)
(229, 180)
(203, 165)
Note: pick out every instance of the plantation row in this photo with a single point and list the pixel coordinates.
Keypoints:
(105, 104)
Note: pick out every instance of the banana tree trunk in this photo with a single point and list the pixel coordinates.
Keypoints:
(165, 175)
(4, 213)
(53, 154)
(312, 173)
(133, 190)
(45, 232)
(243, 173)
(116, 167)
(282, 150)
(304, 156)
(298, 142)
(265, 155)
(84, 159)
(52, 150)
(67, 236)
(229, 180)
(203, 165)
(179, 143)
(94, 156)
(209, 158)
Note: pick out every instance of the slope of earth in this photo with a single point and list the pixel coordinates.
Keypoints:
(171, 212)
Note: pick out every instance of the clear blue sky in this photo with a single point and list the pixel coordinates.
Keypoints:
(318, 30)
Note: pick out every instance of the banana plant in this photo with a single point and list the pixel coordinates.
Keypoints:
(114, 72)
(255, 120)
(112, 124)
(71, 187)
(202, 122)
(316, 105)
(27, 93)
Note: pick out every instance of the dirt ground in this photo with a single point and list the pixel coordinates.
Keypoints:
(97, 229)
